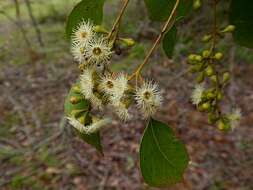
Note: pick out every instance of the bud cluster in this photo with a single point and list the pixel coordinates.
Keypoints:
(212, 80)
(99, 87)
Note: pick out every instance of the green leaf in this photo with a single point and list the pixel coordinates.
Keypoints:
(84, 106)
(169, 41)
(92, 139)
(85, 10)
(163, 158)
(241, 15)
(159, 10)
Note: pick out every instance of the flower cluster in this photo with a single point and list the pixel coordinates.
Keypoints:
(101, 87)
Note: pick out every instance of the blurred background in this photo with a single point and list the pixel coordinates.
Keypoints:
(38, 149)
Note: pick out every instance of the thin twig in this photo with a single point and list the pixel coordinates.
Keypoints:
(34, 23)
(116, 24)
(169, 23)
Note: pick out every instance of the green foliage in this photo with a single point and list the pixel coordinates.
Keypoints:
(169, 41)
(85, 10)
(78, 107)
(163, 158)
(241, 16)
(159, 10)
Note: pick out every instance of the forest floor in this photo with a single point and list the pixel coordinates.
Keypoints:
(38, 149)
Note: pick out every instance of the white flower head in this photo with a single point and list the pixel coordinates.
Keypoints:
(121, 85)
(78, 52)
(77, 124)
(87, 87)
(235, 117)
(197, 94)
(83, 33)
(120, 108)
(98, 51)
(148, 98)
(94, 127)
(97, 124)
(107, 85)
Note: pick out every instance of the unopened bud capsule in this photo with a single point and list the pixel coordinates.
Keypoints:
(206, 38)
(206, 53)
(74, 100)
(128, 41)
(223, 126)
(197, 4)
(226, 77)
(100, 29)
(229, 28)
(200, 78)
(214, 79)
(212, 118)
(218, 56)
(205, 106)
(219, 95)
(209, 71)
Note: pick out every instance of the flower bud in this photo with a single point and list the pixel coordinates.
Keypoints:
(219, 95)
(214, 79)
(226, 77)
(205, 106)
(74, 99)
(200, 78)
(198, 58)
(223, 126)
(218, 56)
(100, 29)
(128, 41)
(212, 118)
(197, 4)
(206, 53)
(229, 28)
(210, 95)
(206, 38)
(209, 71)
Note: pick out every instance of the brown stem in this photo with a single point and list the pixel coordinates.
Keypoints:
(169, 23)
(116, 24)
(34, 22)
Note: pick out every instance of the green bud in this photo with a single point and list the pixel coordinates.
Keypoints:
(210, 95)
(76, 89)
(75, 100)
(218, 56)
(198, 58)
(191, 58)
(206, 38)
(226, 77)
(206, 53)
(200, 78)
(212, 118)
(223, 125)
(209, 71)
(197, 4)
(100, 29)
(205, 106)
(214, 79)
(229, 28)
(128, 41)
(219, 95)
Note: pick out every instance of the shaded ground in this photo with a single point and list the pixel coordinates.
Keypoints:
(38, 150)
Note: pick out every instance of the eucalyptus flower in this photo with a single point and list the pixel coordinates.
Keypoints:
(148, 98)
(83, 33)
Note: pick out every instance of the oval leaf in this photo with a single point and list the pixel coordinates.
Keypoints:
(169, 41)
(84, 105)
(85, 10)
(159, 10)
(241, 15)
(163, 158)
